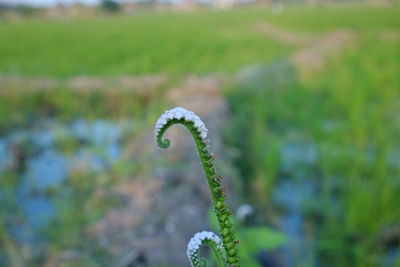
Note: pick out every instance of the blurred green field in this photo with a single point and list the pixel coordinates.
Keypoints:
(349, 116)
(346, 112)
(204, 42)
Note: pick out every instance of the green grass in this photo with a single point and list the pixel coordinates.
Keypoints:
(150, 43)
(202, 42)
(364, 96)
(355, 17)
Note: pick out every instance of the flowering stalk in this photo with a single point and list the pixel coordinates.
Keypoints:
(199, 132)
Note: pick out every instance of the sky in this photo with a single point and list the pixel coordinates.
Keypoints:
(49, 2)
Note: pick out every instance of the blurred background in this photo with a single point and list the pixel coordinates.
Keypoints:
(302, 99)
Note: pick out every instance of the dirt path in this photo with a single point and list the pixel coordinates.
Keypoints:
(131, 83)
(315, 50)
(390, 35)
(283, 35)
(322, 49)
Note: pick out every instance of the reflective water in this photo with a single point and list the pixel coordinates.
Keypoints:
(37, 155)
(292, 195)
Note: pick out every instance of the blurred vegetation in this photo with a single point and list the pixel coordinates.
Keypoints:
(342, 122)
(204, 42)
(110, 6)
(349, 116)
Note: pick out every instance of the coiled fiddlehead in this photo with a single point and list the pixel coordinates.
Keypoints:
(199, 132)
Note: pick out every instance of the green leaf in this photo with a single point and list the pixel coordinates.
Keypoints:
(256, 238)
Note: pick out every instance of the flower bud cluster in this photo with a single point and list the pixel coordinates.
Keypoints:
(197, 241)
(181, 114)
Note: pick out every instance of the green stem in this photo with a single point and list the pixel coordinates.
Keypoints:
(214, 182)
(218, 256)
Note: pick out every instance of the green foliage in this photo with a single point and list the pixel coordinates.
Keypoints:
(148, 43)
(331, 17)
(202, 42)
(348, 114)
(252, 240)
(18, 107)
(256, 240)
(110, 5)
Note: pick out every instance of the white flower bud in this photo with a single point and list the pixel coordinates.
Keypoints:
(179, 113)
(195, 244)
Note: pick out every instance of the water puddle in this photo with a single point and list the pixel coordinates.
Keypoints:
(292, 195)
(44, 155)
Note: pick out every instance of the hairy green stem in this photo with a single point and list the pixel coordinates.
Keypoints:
(214, 182)
(218, 256)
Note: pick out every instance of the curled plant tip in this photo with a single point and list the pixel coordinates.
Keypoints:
(178, 115)
(199, 132)
(203, 239)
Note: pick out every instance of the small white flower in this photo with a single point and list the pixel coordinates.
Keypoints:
(196, 242)
(198, 123)
(163, 120)
(179, 113)
(188, 117)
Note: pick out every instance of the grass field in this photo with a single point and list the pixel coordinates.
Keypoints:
(205, 42)
(336, 128)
